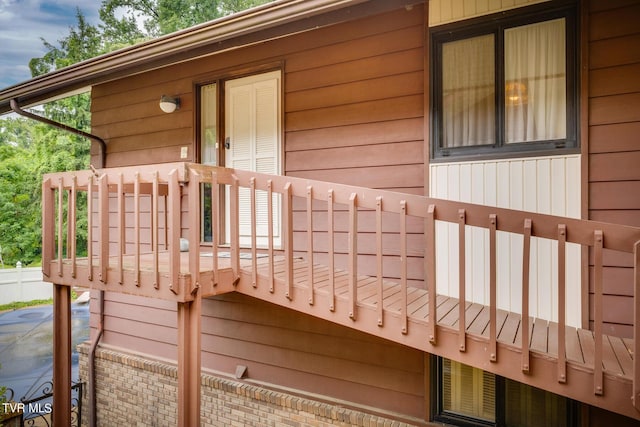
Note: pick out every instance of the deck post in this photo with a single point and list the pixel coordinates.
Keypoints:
(61, 355)
(189, 326)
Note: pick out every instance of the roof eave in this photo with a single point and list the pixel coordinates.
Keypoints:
(161, 51)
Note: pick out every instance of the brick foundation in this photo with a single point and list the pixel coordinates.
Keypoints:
(136, 391)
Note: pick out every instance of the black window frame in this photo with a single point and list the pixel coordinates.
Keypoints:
(496, 25)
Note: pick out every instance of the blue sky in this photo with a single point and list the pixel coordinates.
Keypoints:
(24, 22)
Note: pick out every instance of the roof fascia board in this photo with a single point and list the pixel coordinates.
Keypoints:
(87, 73)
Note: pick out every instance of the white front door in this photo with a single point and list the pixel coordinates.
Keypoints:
(253, 142)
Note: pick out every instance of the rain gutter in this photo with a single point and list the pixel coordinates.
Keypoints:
(103, 146)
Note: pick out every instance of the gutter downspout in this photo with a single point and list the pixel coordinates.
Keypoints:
(93, 413)
(103, 146)
(94, 343)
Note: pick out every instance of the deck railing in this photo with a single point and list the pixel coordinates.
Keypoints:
(146, 210)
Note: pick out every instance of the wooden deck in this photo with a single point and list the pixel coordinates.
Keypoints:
(580, 344)
(618, 361)
(142, 257)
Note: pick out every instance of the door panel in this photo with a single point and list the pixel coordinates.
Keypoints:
(252, 123)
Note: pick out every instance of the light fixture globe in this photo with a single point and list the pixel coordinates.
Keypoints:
(169, 104)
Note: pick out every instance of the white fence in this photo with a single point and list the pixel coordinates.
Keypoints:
(23, 284)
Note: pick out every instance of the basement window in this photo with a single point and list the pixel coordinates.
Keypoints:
(468, 396)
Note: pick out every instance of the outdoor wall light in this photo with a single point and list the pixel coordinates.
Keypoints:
(169, 104)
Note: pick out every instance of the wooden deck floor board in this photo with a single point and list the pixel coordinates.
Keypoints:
(617, 352)
(539, 336)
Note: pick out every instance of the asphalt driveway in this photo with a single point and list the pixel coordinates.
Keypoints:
(26, 350)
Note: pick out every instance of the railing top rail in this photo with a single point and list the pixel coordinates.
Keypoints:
(145, 172)
(617, 237)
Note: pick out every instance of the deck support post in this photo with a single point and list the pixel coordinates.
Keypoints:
(189, 328)
(61, 355)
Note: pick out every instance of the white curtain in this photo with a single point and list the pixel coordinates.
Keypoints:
(535, 82)
(208, 124)
(468, 92)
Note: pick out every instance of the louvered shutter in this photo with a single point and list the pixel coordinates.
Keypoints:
(253, 132)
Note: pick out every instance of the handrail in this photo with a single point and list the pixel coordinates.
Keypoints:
(119, 198)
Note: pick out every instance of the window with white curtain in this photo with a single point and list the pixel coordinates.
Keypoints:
(505, 84)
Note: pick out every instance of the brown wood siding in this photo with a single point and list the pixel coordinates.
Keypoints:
(278, 346)
(353, 113)
(614, 146)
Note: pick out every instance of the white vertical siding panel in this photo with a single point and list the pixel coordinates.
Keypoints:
(470, 7)
(447, 11)
(503, 190)
(574, 252)
(544, 266)
(494, 5)
(457, 9)
(435, 12)
(546, 185)
(529, 203)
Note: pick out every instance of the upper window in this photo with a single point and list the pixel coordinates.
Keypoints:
(505, 85)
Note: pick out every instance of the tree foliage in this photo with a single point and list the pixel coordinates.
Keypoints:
(29, 149)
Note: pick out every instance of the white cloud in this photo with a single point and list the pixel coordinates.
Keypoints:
(23, 23)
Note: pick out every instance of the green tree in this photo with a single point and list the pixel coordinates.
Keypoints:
(29, 149)
(159, 17)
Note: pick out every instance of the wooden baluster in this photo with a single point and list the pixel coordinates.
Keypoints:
(598, 241)
(60, 225)
(136, 227)
(254, 232)
(122, 244)
(379, 269)
(48, 226)
(403, 266)
(174, 212)
(194, 203)
(526, 265)
(462, 268)
(103, 224)
(330, 236)
(215, 226)
(493, 284)
(270, 234)
(636, 323)
(89, 228)
(430, 267)
(71, 241)
(155, 247)
(353, 256)
(234, 213)
(288, 234)
(562, 278)
(310, 244)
